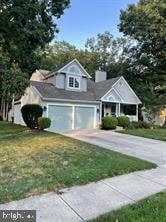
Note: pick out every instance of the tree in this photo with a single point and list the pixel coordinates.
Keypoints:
(62, 52)
(145, 23)
(108, 52)
(24, 27)
(27, 25)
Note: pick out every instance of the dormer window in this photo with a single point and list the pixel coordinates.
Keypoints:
(73, 82)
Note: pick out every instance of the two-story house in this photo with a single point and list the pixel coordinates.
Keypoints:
(73, 101)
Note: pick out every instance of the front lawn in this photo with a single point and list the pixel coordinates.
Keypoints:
(151, 209)
(38, 162)
(158, 134)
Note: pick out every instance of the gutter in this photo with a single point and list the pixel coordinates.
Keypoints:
(69, 100)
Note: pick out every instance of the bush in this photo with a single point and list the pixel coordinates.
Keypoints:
(146, 125)
(44, 123)
(109, 122)
(30, 114)
(123, 121)
(139, 124)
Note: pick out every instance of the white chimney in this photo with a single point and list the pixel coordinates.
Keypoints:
(100, 76)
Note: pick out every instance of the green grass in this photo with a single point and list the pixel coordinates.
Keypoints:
(151, 209)
(158, 134)
(38, 162)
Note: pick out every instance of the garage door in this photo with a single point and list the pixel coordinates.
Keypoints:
(84, 117)
(61, 117)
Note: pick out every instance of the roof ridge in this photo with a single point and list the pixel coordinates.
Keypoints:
(118, 77)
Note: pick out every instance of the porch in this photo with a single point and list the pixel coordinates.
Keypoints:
(120, 109)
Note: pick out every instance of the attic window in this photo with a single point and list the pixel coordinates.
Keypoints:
(73, 82)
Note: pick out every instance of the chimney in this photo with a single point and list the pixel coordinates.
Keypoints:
(100, 76)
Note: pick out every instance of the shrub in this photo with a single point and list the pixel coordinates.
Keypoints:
(136, 124)
(139, 124)
(123, 121)
(30, 114)
(44, 123)
(109, 122)
(146, 125)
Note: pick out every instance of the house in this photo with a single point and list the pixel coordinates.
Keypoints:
(73, 101)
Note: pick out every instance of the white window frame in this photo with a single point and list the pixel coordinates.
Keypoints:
(74, 78)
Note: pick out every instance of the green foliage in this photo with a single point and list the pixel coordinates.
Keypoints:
(103, 51)
(123, 121)
(27, 25)
(145, 23)
(139, 124)
(109, 122)
(44, 123)
(30, 114)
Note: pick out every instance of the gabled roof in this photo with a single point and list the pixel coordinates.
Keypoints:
(61, 67)
(101, 88)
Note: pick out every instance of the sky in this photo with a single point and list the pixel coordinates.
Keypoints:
(87, 18)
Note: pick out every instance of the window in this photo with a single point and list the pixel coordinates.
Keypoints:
(74, 82)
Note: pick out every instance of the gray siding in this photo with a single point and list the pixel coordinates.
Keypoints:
(125, 92)
(60, 81)
(84, 84)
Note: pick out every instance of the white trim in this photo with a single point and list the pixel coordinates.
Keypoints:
(112, 89)
(74, 78)
(70, 100)
(74, 60)
(131, 103)
(73, 117)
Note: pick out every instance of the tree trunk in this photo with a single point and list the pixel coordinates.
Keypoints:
(4, 109)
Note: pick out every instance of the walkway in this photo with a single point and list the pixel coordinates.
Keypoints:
(89, 201)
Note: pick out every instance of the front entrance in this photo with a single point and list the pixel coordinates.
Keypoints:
(109, 109)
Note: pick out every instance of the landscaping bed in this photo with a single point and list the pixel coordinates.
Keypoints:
(38, 162)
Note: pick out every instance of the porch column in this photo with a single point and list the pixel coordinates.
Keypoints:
(137, 112)
(119, 110)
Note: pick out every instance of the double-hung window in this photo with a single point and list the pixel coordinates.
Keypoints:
(74, 82)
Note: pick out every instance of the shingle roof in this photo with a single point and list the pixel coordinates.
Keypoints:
(101, 88)
(94, 90)
(48, 90)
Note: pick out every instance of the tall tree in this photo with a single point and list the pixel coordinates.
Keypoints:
(108, 50)
(27, 25)
(24, 27)
(145, 23)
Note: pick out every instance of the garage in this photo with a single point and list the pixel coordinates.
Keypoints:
(84, 117)
(70, 117)
(61, 117)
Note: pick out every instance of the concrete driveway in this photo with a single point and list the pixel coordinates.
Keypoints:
(147, 149)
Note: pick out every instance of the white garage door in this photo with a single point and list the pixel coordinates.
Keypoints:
(84, 117)
(61, 117)
(71, 117)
